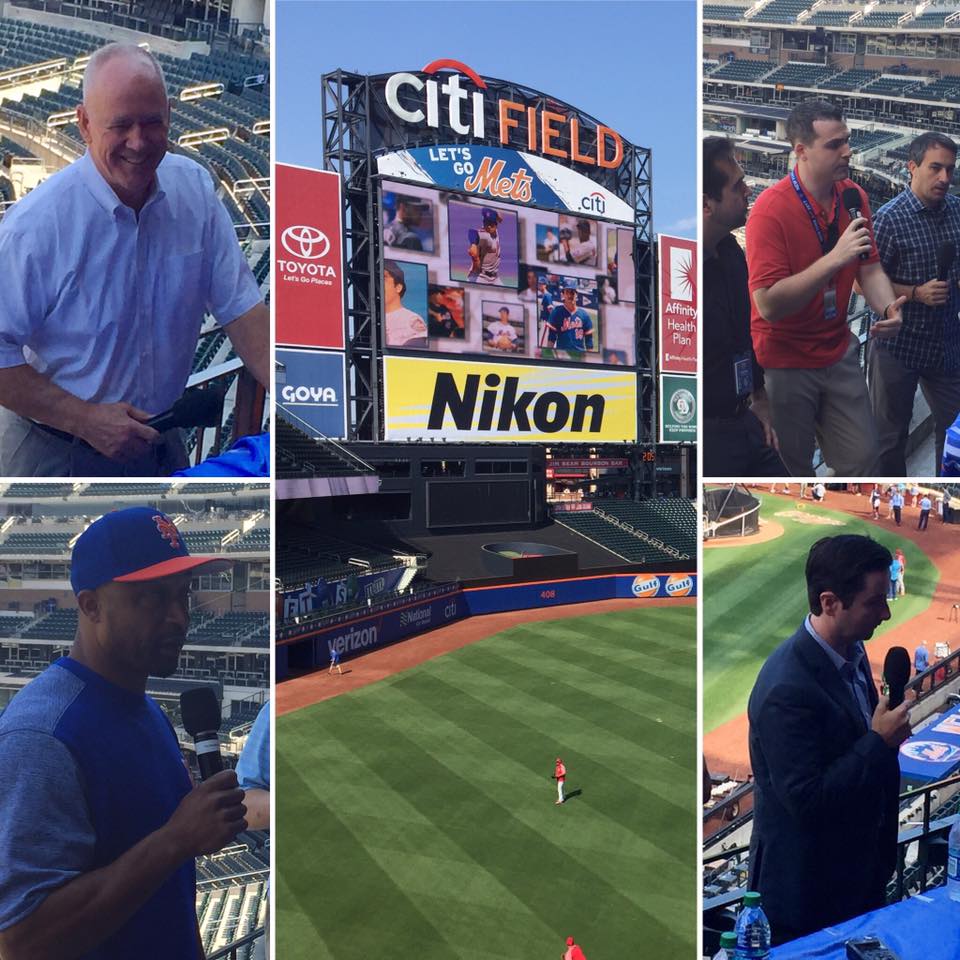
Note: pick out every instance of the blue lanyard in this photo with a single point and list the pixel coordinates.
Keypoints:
(830, 241)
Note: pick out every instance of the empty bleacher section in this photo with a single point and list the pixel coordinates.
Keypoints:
(311, 553)
(800, 75)
(644, 532)
(742, 71)
(301, 456)
(780, 11)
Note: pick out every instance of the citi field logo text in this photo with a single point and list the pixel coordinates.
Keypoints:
(449, 104)
(503, 404)
(594, 203)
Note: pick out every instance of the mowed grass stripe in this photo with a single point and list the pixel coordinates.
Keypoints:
(754, 597)
(484, 834)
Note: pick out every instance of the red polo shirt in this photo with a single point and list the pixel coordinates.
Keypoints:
(782, 242)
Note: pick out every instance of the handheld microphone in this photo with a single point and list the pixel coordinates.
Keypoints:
(896, 673)
(196, 408)
(201, 719)
(851, 203)
(946, 253)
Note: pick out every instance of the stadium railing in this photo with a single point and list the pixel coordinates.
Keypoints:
(232, 950)
(916, 865)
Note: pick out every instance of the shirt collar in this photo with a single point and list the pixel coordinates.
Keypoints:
(842, 665)
(103, 193)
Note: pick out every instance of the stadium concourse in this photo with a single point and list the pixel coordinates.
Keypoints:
(227, 644)
(218, 73)
(893, 68)
(759, 569)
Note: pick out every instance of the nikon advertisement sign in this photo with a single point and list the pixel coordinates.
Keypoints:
(454, 400)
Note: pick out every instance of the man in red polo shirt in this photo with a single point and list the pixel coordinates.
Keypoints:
(804, 253)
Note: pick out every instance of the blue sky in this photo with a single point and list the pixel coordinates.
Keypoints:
(630, 64)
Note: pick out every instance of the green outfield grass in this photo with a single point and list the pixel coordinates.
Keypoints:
(416, 816)
(755, 596)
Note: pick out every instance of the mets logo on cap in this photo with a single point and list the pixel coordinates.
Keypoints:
(679, 585)
(167, 529)
(645, 586)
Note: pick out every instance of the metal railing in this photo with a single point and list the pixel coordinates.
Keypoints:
(231, 951)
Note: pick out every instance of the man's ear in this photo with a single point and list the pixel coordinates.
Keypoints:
(830, 603)
(90, 604)
(83, 122)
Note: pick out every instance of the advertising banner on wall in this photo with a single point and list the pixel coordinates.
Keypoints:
(311, 388)
(308, 281)
(321, 594)
(678, 305)
(495, 173)
(442, 399)
(678, 409)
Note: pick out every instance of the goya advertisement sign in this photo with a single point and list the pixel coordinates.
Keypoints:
(454, 400)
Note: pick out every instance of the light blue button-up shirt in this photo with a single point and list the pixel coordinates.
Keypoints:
(108, 305)
(850, 670)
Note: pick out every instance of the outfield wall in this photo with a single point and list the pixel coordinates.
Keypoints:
(312, 650)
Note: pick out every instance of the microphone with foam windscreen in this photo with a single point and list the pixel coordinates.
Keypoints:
(896, 673)
(851, 203)
(201, 719)
(946, 253)
(196, 408)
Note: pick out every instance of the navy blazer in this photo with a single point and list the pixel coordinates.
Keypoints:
(826, 789)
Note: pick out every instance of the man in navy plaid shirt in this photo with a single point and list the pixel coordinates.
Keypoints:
(909, 231)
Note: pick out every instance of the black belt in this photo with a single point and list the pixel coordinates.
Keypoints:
(59, 434)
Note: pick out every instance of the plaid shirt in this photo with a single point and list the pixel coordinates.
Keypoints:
(908, 235)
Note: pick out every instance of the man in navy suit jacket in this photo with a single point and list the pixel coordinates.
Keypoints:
(823, 746)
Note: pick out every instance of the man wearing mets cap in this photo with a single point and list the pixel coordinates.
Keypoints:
(100, 825)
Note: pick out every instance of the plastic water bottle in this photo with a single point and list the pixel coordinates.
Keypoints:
(728, 946)
(953, 862)
(753, 930)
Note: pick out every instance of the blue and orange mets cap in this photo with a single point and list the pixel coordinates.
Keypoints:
(570, 283)
(489, 216)
(139, 543)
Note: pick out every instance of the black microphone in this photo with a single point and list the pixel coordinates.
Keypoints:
(201, 719)
(851, 203)
(896, 673)
(196, 408)
(946, 253)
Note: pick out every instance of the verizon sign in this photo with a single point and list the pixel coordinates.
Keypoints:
(308, 287)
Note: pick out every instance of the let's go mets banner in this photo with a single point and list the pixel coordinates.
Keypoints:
(457, 400)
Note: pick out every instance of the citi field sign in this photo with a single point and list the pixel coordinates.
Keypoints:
(457, 102)
(544, 157)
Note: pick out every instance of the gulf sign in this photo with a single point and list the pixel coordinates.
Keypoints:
(663, 585)
(678, 305)
(449, 96)
(308, 268)
(439, 399)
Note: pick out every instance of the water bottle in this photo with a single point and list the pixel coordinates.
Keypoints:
(753, 930)
(953, 861)
(728, 946)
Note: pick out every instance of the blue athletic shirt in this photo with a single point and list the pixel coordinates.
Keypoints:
(88, 770)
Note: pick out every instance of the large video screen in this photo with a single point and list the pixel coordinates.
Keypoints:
(464, 275)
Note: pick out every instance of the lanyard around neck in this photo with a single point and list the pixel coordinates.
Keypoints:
(833, 230)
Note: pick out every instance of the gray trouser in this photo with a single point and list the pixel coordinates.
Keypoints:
(892, 392)
(828, 405)
(27, 450)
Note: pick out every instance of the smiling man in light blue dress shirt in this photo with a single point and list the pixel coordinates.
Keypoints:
(109, 267)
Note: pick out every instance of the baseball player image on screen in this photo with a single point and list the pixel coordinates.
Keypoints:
(484, 249)
(569, 327)
(501, 334)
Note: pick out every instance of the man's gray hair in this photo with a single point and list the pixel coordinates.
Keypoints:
(111, 51)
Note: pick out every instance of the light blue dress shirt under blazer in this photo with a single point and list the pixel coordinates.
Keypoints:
(109, 306)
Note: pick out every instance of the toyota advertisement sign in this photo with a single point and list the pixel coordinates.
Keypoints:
(308, 276)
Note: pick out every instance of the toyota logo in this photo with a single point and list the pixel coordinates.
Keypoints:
(308, 243)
